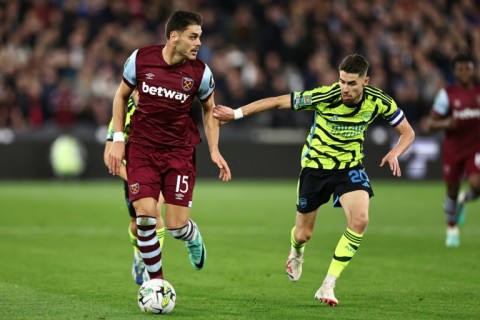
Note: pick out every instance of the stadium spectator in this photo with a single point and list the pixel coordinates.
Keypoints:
(70, 36)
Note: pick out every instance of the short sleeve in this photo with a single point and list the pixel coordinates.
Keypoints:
(129, 69)
(440, 103)
(207, 85)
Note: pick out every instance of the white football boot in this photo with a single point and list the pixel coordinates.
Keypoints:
(325, 294)
(294, 265)
(453, 237)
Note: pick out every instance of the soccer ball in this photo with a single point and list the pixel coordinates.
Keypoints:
(156, 296)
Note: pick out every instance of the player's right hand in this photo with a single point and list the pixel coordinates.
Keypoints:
(223, 113)
(425, 124)
(115, 157)
(450, 123)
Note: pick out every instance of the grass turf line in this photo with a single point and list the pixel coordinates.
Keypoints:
(65, 255)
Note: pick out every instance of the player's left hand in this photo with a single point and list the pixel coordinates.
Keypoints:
(225, 174)
(392, 160)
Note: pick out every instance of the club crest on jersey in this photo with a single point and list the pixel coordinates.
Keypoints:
(134, 188)
(366, 115)
(187, 83)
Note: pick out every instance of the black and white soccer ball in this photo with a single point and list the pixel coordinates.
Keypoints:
(156, 296)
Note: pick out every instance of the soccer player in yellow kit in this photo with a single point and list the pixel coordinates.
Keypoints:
(332, 159)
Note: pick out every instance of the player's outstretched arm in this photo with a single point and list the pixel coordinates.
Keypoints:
(226, 114)
(407, 135)
(434, 122)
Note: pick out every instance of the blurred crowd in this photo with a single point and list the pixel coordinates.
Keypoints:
(62, 60)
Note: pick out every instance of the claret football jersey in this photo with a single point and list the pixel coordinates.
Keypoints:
(163, 116)
(463, 105)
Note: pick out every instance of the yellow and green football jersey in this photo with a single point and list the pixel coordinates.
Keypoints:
(126, 131)
(336, 137)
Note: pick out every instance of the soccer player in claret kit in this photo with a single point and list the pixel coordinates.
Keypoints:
(160, 151)
(332, 159)
(456, 111)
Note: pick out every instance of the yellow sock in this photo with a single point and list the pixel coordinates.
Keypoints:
(133, 239)
(295, 245)
(346, 248)
(161, 236)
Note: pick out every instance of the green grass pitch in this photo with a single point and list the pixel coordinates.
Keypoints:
(65, 254)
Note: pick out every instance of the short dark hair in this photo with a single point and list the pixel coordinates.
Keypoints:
(461, 57)
(181, 20)
(354, 63)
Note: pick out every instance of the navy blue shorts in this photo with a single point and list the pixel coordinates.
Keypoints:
(315, 186)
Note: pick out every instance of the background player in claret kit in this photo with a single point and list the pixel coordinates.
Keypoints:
(456, 111)
(161, 148)
(139, 272)
(332, 159)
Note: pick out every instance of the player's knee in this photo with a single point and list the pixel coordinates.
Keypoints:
(359, 224)
(303, 235)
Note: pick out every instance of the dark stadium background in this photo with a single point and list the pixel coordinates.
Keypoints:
(61, 61)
